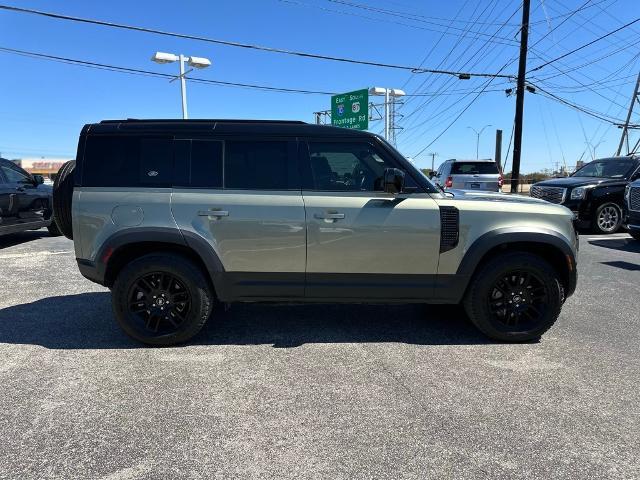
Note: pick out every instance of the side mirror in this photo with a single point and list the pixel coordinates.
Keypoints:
(432, 174)
(38, 179)
(393, 180)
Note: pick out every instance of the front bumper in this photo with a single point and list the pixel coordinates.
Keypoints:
(632, 219)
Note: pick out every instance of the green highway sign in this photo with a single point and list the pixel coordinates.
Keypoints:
(351, 110)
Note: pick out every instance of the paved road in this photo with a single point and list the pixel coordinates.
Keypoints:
(315, 391)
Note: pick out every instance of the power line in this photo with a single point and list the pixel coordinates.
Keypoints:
(387, 20)
(137, 71)
(584, 46)
(243, 45)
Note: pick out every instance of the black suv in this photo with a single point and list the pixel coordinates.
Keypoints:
(25, 203)
(595, 192)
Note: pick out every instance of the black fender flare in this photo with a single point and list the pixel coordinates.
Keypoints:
(504, 236)
(167, 235)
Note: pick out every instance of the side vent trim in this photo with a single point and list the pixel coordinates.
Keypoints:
(449, 228)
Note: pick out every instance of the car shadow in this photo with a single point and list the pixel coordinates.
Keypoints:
(85, 321)
(13, 239)
(624, 265)
(622, 244)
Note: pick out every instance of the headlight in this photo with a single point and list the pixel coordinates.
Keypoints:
(580, 192)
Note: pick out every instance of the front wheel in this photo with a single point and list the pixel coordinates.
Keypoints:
(161, 299)
(608, 218)
(515, 297)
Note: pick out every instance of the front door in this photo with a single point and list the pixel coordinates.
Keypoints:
(363, 243)
(243, 198)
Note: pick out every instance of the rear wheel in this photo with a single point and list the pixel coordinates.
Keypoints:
(161, 299)
(515, 297)
(608, 218)
(62, 197)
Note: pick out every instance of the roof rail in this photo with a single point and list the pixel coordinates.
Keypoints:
(202, 120)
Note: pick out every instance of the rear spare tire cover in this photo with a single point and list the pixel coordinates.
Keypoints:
(62, 197)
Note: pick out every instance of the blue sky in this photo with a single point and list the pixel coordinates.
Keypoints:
(44, 104)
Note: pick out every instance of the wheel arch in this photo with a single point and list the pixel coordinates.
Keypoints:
(547, 244)
(127, 245)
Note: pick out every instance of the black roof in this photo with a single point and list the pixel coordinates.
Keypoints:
(223, 126)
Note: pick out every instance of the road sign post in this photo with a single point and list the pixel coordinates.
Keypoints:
(351, 110)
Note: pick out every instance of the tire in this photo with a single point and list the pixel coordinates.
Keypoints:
(607, 219)
(53, 229)
(62, 197)
(138, 296)
(514, 320)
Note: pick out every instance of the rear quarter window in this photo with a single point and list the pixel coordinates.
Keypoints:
(474, 168)
(127, 161)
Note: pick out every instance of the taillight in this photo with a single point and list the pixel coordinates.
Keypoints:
(500, 180)
(449, 182)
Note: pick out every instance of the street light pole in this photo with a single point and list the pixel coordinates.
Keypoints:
(183, 87)
(195, 62)
(389, 94)
(478, 133)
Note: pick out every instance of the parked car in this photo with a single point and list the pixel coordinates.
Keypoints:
(481, 175)
(176, 217)
(632, 208)
(595, 192)
(25, 203)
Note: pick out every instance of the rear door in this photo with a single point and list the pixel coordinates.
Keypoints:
(242, 197)
(363, 243)
(475, 175)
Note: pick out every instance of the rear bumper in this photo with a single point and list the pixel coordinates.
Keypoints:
(90, 271)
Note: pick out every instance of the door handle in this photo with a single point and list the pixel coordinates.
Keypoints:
(329, 216)
(213, 213)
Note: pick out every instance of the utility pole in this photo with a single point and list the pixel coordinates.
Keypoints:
(520, 91)
(433, 160)
(625, 127)
(498, 157)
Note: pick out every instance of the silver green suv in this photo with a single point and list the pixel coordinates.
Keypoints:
(176, 217)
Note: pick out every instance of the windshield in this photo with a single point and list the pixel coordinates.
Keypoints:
(607, 168)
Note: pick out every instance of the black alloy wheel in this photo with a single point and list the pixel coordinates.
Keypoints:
(518, 299)
(160, 302)
(162, 299)
(514, 297)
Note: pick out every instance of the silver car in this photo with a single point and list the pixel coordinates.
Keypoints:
(483, 175)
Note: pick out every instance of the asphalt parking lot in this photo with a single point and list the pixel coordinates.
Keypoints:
(315, 391)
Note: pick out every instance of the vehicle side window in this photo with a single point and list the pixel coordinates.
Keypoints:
(259, 165)
(13, 175)
(206, 164)
(347, 166)
(127, 161)
(156, 161)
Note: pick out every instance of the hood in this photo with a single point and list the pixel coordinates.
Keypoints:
(472, 195)
(577, 181)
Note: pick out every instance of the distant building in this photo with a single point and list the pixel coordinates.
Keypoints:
(48, 167)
